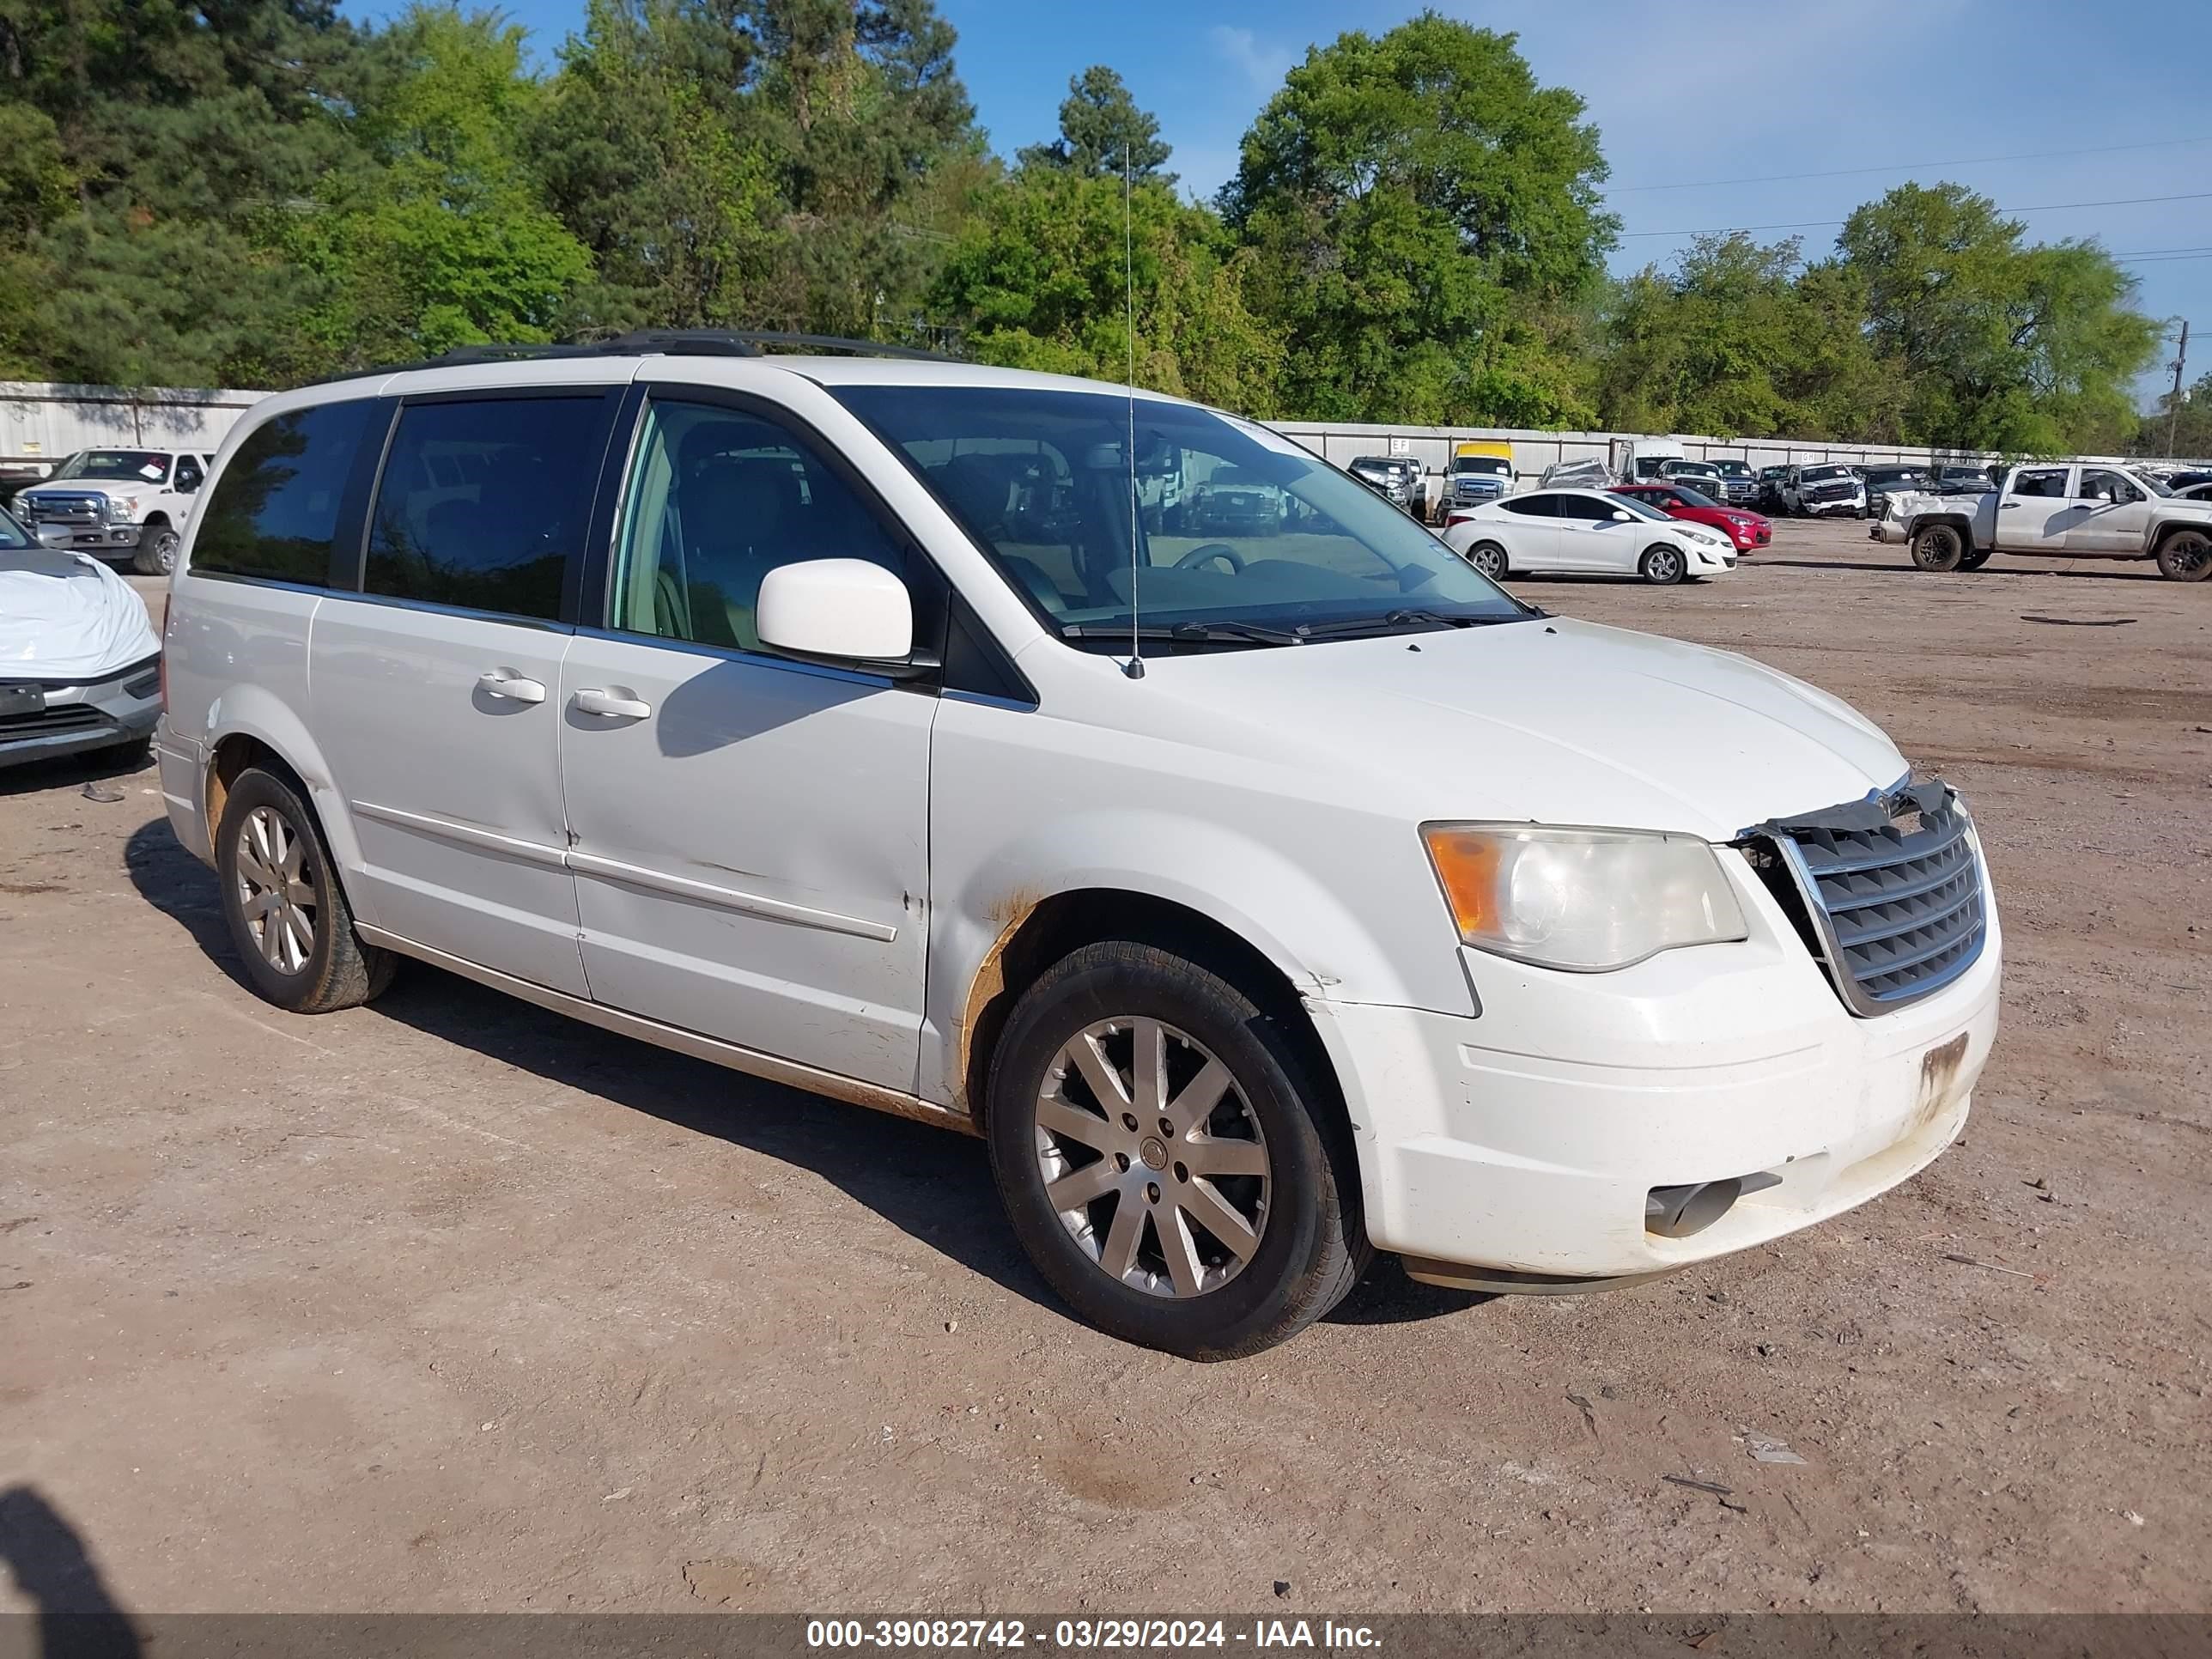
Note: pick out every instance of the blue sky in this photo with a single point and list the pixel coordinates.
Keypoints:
(1706, 90)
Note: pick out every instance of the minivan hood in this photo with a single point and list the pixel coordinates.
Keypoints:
(1547, 720)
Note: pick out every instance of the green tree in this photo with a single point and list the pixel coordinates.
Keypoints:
(444, 239)
(1102, 130)
(37, 190)
(1740, 338)
(2188, 433)
(180, 134)
(1036, 281)
(2020, 349)
(859, 106)
(1425, 216)
(650, 157)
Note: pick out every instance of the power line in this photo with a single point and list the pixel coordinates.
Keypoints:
(2047, 207)
(1910, 167)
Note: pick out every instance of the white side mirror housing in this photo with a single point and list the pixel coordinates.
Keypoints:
(837, 610)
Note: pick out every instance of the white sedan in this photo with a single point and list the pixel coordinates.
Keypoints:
(1584, 533)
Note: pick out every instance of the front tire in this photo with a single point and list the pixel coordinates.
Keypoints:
(156, 552)
(1490, 559)
(1940, 548)
(1662, 566)
(2186, 555)
(1168, 1158)
(288, 920)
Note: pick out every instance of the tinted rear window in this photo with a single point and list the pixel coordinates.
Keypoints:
(482, 503)
(274, 512)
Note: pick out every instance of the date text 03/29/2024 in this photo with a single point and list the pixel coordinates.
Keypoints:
(1100, 1635)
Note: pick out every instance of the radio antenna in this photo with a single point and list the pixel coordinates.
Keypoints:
(1135, 670)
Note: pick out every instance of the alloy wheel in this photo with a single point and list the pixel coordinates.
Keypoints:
(2186, 555)
(1152, 1159)
(274, 893)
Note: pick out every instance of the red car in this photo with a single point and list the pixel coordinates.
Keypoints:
(1746, 530)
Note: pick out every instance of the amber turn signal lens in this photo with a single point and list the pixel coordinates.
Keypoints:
(1467, 864)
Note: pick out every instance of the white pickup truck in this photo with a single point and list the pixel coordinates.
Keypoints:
(117, 504)
(2069, 509)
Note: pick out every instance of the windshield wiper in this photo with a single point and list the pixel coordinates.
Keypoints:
(1234, 632)
(1401, 618)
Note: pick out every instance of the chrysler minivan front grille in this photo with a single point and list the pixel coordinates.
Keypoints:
(1897, 907)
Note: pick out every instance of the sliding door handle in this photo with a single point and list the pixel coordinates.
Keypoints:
(510, 683)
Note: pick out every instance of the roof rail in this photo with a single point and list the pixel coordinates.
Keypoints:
(755, 343)
(645, 342)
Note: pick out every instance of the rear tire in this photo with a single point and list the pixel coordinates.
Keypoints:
(1662, 566)
(1940, 548)
(2186, 555)
(1276, 1144)
(289, 919)
(1490, 559)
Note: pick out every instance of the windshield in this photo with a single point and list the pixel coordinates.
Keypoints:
(1692, 497)
(1643, 510)
(1822, 474)
(1233, 525)
(1492, 465)
(12, 533)
(1732, 469)
(2156, 486)
(131, 466)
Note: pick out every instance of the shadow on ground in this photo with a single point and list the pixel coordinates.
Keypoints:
(935, 1186)
(102, 769)
(77, 1617)
(2087, 569)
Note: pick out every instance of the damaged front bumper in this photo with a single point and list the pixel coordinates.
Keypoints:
(1589, 1128)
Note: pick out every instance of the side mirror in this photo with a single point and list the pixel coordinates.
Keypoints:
(1619, 517)
(847, 612)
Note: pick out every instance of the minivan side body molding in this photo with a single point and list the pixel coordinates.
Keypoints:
(769, 1067)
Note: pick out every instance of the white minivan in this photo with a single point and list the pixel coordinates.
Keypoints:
(1266, 887)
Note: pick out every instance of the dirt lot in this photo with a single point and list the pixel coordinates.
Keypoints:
(448, 1303)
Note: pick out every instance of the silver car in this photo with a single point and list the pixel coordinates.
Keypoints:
(80, 667)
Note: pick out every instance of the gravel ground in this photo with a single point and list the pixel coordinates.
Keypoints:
(448, 1303)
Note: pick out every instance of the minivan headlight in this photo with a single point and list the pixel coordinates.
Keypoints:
(1587, 900)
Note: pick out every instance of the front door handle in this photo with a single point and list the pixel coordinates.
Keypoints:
(511, 683)
(611, 704)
